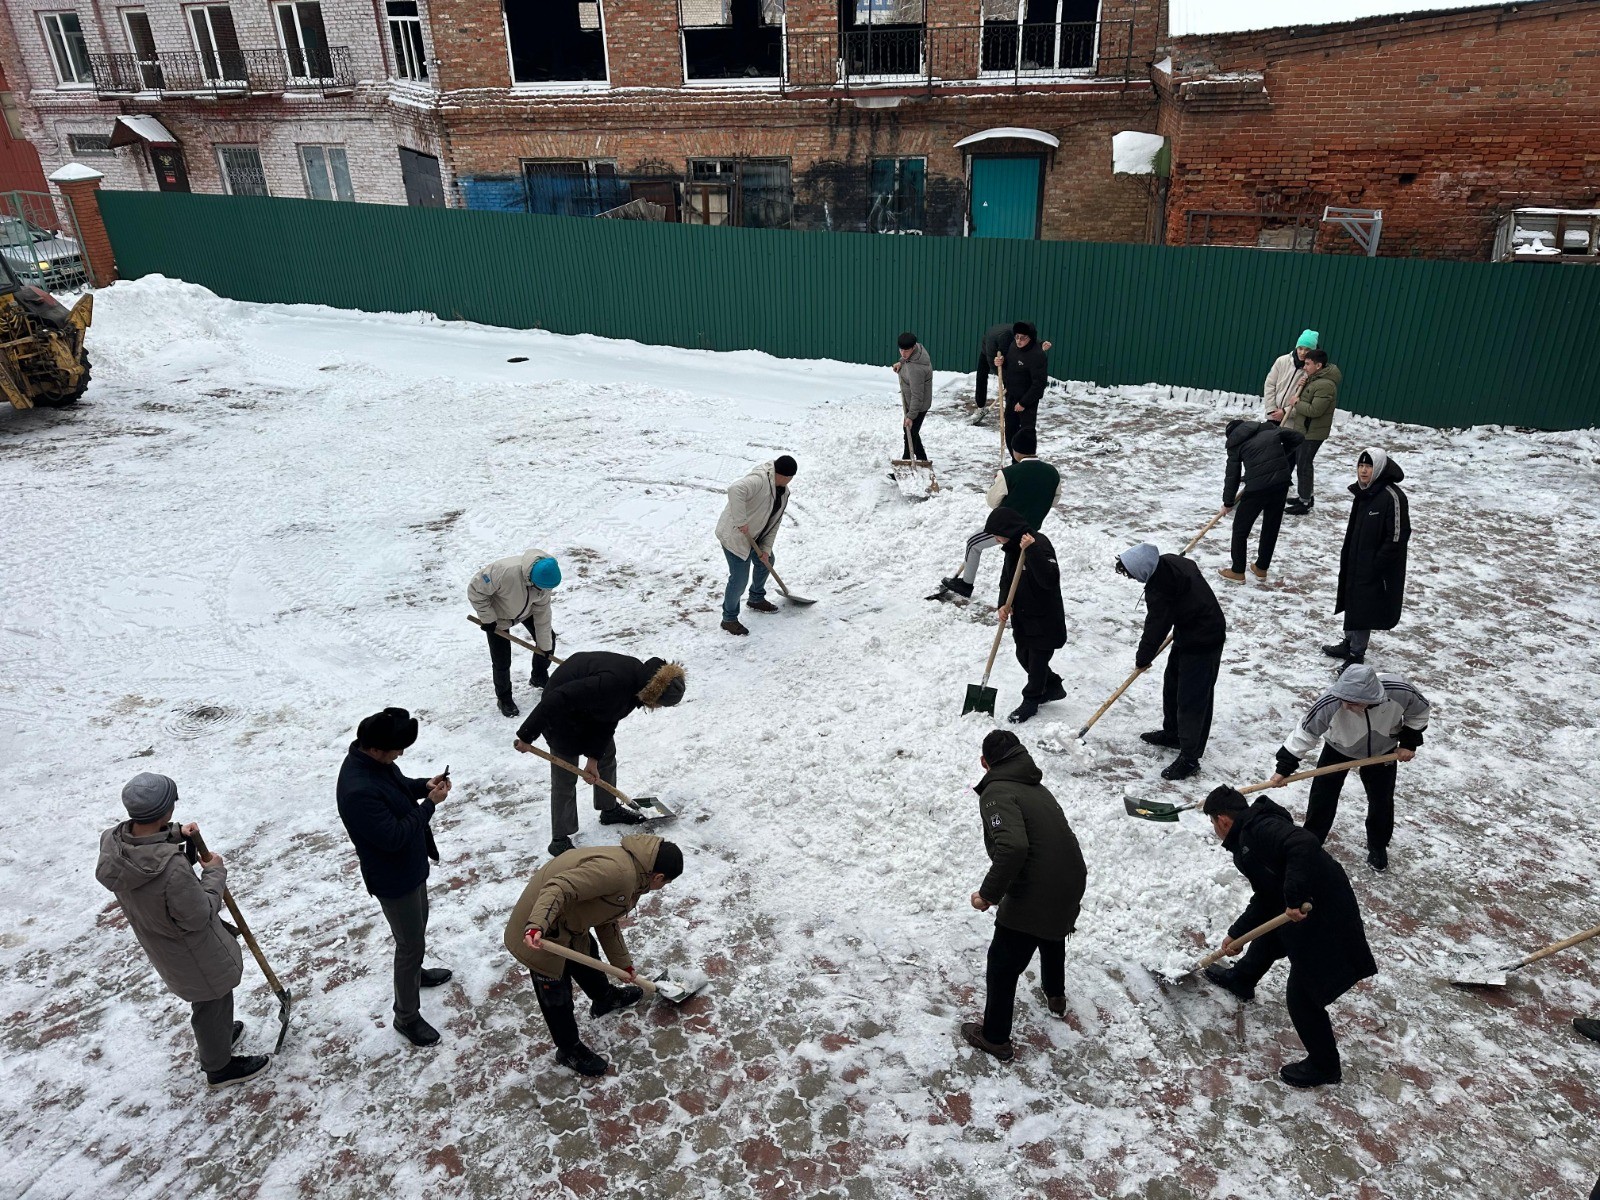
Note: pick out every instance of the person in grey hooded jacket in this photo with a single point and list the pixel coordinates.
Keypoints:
(1364, 714)
(145, 862)
(915, 369)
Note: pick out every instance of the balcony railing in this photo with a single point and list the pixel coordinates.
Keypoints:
(225, 72)
(995, 53)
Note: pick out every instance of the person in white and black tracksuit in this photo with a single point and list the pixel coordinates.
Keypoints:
(1264, 453)
(1028, 485)
(1363, 715)
(1372, 563)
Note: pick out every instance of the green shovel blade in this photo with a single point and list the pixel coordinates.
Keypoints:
(1152, 810)
(979, 699)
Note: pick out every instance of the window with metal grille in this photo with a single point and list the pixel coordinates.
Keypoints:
(304, 40)
(555, 41)
(327, 171)
(89, 143)
(242, 173)
(881, 37)
(63, 33)
(899, 195)
(731, 39)
(217, 44)
(405, 38)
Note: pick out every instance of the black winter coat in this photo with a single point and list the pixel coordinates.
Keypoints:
(1037, 616)
(1180, 602)
(586, 698)
(1264, 453)
(995, 341)
(1286, 866)
(1372, 565)
(390, 830)
(1025, 374)
(1036, 876)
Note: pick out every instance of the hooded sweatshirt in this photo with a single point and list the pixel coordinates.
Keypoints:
(916, 382)
(591, 887)
(1179, 601)
(174, 915)
(1396, 716)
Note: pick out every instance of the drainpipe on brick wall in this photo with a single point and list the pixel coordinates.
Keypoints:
(80, 186)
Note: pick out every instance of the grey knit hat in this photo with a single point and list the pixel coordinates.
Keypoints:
(149, 797)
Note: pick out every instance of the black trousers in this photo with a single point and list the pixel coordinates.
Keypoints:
(500, 662)
(1017, 421)
(1035, 660)
(555, 997)
(1187, 689)
(985, 369)
(1268, 505)
(1379, 784)
(1310, 1019)
(1306, 470)
(408, 921)
(913, 439)
(1009, 955)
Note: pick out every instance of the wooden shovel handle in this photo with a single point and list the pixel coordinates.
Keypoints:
(1011, 594)
(238, 919)
(1209, 526)
(1553, 947)
(561, 951)
(1352, 765)
(511, 637)
(578, 771)
(1126, 684)
(1259, 931)
(777, 579)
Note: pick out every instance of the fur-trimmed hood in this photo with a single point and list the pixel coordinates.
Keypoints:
(666, 684)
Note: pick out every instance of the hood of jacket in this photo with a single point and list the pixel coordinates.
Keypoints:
(1007, 523)
(1331, 373)
(1240, 431)
(1264, 809)
(643, 848)
(1384, 469)
(1015, 766)
(662, 675)
(1140, 561)
(919, 357)
(1359, 684)
(127, 863)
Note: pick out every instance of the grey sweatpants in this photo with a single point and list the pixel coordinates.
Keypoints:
(976, 545)
(212, 1022)
(408, 921)
(564, 789)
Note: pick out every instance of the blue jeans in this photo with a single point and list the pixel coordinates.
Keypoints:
(738, 575)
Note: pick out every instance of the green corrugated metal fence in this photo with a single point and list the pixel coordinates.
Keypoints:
(1437, 343)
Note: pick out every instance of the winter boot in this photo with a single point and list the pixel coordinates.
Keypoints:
(1057, 1005)
(973, 1032)
(582, 1060)
(1298, 507)
(1342, 650)
(1588, 1026)
(1025, 711)
(418, 1032)
(735, 628)
(1259, 572)
(618, 997)
(1227, 978)
(508, 708)
(620, 814)
(1305, 1074)
(957, 585)
(1231, 575)
(763, 605)
(1378, 858)
(436, 976)
(1160, 737)
(1181, 767)
(558, 847)
(238, 1032)
(238, 1070)
(1056, 691)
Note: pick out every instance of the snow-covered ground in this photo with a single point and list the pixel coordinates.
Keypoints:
(258, 527)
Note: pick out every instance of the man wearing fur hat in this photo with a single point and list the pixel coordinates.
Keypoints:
(1326, 947)
(1372, 562)
(578, 714)
(387, 816)
(1024, 371)
(147, 862)
(1363, 715)
(509, 592)
(570, 901)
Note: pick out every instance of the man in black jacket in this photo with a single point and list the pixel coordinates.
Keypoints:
(389, 827)
(992, 347)
(578, 714)
(1264, 453)
(1038, 621)
(1326, 948)
(1037, 878)
(1372, 563)
(1178, 600)
(1024, 370)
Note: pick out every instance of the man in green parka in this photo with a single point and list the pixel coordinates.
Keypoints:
(1036, 877)
(1311, 415)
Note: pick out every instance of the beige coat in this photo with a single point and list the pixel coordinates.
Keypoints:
(173, 914)
(749, 503)
(502, 596)
(1283, 384)
(584, 889)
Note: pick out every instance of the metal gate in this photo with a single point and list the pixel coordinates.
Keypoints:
(40, 241)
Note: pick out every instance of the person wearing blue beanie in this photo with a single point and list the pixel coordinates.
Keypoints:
(516, 591)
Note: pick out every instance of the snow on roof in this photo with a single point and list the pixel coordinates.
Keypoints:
(1238, 16)
(142, 128)
(73, 172)
(1557, 212)
(1134, 153)
(1011, 131)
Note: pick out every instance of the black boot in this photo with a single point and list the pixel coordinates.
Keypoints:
(1588, 1026)
(618, 997)
(972, 1031)
(582, 1060)
(620, 814)
(1304, 1074)
(238, 1070)
(418, 1032)
(1227, 978)
(1342, 650)
(436, 976)
(508, 707)
(1378, 858)
(540, 675)
(959, 586)
(1057, 1005)
(1056, 691)
(1025, 711)
(238, 1032)
(1181, 767)
(1298, 507)
(559, 846)
(1160, 737)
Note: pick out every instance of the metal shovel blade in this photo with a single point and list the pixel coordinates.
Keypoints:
(285, 1001)
(652, 808)
(676, 991)
(802, 601)
(979, 699)
(1481, 976)
(1154, 810)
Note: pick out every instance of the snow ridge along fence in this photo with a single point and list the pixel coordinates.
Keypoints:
(1445, 344)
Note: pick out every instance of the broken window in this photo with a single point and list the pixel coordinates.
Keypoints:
(573, 188)
(881, 37)
(899, 195)
(732, 39)
(556, 41)
(1039, 35)
(754, 192)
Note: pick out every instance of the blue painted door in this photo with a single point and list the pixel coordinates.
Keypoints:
(1005, 197)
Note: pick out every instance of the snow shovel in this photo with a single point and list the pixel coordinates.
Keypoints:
(1117, 695)
(285, 999)
(1156, 810)
(511, 637)
(1209, 526)
(787, 594)
(658, 810)
(667, 989)
(1496, 976)
(980, 696)
(1217, 955)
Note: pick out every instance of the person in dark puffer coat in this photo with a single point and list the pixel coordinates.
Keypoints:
(1372, 563)
(1038, 620)
(1264, 453)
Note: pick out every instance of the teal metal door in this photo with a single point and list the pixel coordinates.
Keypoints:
(1005, 197)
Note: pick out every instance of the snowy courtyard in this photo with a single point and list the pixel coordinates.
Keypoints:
(258, 527)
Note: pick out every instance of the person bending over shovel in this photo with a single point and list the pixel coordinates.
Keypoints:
(1326, 947)
(578, 714)
(144, 863)
(1364, 714)
(1038, 621)
(570, 901)
(748, 530)
(516, 591)
(1037, 878)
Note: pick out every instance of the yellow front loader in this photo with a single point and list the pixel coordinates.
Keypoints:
(42, 359)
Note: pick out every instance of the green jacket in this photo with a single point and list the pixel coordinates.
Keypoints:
(1312, 414)
(1036, 874)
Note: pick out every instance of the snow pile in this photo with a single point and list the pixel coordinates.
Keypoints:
(1134, 153)
(258, 528)
(1186, 17)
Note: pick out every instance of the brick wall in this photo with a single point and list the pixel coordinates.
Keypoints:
(1443, 122)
